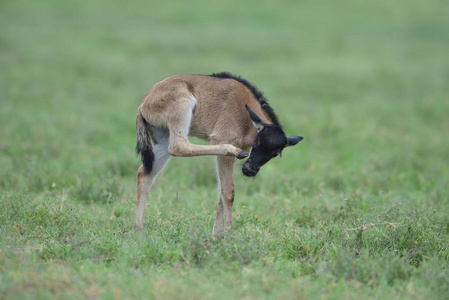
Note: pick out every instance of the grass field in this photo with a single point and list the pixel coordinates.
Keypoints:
(358, 210)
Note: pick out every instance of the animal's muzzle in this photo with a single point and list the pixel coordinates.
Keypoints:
(248, 170)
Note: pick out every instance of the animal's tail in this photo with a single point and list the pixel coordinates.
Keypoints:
(144, 147)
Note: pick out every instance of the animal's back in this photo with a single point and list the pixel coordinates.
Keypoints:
(217, 102)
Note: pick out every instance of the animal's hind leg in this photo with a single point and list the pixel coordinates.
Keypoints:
(179, 125)
(145, 179)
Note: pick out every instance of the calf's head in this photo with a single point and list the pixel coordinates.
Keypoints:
(269, 143)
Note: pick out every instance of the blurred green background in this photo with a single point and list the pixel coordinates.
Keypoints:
(365, 82)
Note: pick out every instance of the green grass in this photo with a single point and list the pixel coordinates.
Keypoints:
(357, 210)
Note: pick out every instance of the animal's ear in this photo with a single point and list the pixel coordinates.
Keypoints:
(293, 140)
(255, 118)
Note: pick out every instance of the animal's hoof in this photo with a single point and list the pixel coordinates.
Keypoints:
(242, 155)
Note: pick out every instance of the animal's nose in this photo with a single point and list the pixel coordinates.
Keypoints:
(248, 170)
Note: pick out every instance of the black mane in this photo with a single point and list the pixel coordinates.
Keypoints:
(256, 92)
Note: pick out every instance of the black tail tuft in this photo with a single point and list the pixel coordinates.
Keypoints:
(144, 147)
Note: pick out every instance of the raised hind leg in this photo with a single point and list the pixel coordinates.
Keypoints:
(179, 126)
(145, 179)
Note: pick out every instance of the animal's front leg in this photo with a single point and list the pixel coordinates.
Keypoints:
(227, 191)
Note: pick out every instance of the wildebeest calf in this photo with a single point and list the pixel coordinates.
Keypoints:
(222, 108)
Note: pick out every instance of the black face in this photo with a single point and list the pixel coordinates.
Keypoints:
(269, 143)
